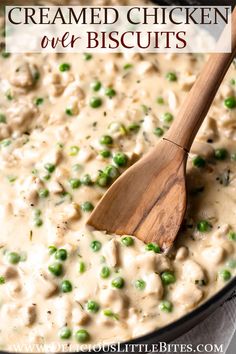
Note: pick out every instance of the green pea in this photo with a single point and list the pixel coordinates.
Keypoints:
(64, 67)
(105, 272)
(65, 333)
(231, 263)
(167, 117)
(232, 236)
(230, 102)
(168, 278)
(105, 153)
(38, 101)
(158, 131)
(96, 85)
(103, 180)
(5, 55)
(199, 161)
(69, 112)
(203, 226)
(171, 76)
(134, 127)
(66, 286)
(37, 213)
(3, 118)
(52, 249)
(153, 247)
(61, 254)
(95, 102)
(82, 336)
(110, 92)
(106, 140)
(140, 284)
(160, 100)
(87, 56)
(232, 82)
(118, 283)
(221, 154)
(127, 66)
(120, 159)
(74, 183)
(82, 267)
(43, 193)
(127, 241)
(50, 167)
(92, 306)
(166, 306)
(225, 274)
(56, 269)
(38, 222)
(2, 280)
(96, 245)
(112, 171)
(47, 177)
(86, 180)
(87, 206)
(13, 257)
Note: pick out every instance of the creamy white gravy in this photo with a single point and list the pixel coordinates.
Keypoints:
(50, 140)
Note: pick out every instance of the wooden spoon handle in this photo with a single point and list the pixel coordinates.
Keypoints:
(195, 108)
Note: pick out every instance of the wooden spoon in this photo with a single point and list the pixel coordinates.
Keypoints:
(149, 199)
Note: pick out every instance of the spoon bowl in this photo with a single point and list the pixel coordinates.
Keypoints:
(156, 192)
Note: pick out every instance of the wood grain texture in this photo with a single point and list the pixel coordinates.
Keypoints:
(149, 199)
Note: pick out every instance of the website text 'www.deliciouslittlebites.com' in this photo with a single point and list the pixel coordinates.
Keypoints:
(161, 347)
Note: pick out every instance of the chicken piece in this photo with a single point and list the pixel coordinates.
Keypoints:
(47, 287)
(79, 316)
(55, 187)
(182, 253)
(24, 75)
(14, 289)
(8, 272)
(111, 252)
(187, 81)
(145, 67)
(154, 286)
(5, 131)
(21, 117)
(192, 271)
(187, 294)
(28, 315)
(213, 255)
(74, 89)
(71, 212)
(203, 149)
(63, 312)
